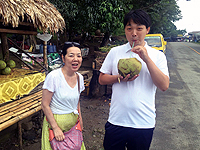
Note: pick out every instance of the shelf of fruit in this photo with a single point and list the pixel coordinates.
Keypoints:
(5, 67)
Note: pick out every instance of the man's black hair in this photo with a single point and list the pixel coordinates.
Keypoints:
(138, 16)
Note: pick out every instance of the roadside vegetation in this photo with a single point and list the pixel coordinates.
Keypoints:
(84, 17)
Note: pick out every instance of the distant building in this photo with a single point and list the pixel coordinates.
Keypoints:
(195, 35)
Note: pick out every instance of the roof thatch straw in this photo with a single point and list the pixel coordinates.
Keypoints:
(40, 13)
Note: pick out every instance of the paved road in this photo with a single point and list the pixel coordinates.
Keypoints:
(178, 108)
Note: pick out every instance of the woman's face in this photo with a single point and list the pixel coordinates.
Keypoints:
(73, 58)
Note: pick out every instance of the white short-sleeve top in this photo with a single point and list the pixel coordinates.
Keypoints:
(133, 102)
(65, 99)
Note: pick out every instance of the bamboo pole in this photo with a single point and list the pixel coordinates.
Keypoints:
(19, 111)
(18, 104)
(14, 103)
(6, 117)
(45, 55)
(18, 118)
(6, 110)
(24, 109)
(21, 106)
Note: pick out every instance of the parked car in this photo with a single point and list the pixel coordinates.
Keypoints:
(156, 41)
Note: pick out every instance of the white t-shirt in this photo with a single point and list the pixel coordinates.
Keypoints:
(133, 102)
(65, 99)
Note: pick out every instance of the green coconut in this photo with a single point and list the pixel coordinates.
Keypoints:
(11, 64)
(2, 64)
(6, 71)
(130, 66)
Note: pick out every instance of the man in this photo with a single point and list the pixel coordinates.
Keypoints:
(132, 112)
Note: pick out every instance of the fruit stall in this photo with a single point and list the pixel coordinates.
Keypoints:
(23, 18)
(15, 81)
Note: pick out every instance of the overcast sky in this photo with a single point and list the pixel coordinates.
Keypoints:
(190, 11)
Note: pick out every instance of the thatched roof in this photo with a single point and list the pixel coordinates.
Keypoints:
(40, 13)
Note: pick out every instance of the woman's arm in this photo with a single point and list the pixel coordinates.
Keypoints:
(46, 99)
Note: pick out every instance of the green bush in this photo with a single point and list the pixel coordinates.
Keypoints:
(106, 48)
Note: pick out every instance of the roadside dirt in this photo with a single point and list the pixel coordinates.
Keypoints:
(95, 114)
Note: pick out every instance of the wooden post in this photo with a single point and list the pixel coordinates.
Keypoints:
(45, 55)
(20, 134)
(96, 90)
(33, 42)
(23, 42)
(4, 45)
(1, 53)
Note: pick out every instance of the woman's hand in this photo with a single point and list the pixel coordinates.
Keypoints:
(59, 135)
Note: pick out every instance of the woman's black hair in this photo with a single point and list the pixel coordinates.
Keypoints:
(68, 45)
(138, 16)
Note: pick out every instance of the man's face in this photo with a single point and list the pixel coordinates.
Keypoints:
(136, 33)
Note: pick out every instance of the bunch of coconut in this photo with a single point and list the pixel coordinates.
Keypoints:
(5, 67)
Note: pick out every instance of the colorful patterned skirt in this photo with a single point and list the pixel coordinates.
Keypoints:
(65, 122)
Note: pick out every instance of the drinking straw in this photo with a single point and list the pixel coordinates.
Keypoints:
(133, 44)
(132, 47)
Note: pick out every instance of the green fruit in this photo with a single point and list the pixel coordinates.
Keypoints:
(2, 64)
(6, 71)
(130, 66)
(11, 64)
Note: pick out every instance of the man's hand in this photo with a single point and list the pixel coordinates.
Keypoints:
(141, 51)
(127, 78)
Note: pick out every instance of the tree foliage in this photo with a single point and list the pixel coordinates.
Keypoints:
(107, 15)
(163, 14)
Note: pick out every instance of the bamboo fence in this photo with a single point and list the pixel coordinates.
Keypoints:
(17, 110)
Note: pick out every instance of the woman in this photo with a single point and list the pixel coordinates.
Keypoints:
(60, 99)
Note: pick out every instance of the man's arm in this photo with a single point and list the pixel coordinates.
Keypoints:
(110, 79)
(107, 79)
(159, 78)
